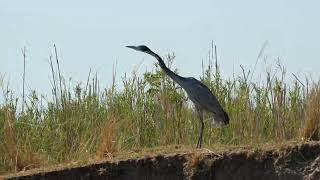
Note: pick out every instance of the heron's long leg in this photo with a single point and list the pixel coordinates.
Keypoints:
(200, 113)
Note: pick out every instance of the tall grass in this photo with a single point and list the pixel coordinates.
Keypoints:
(86, 121)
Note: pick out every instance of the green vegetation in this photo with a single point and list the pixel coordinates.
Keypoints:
(87, 121)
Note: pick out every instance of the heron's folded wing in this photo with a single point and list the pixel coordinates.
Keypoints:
(204, 97)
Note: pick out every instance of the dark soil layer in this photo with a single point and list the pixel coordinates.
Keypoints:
(293, 162)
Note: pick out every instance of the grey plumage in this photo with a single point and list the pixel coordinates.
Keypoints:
(198, 93)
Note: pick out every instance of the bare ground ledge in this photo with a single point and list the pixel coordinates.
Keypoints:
(295, 161)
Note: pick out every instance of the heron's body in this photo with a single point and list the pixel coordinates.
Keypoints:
(198, 93)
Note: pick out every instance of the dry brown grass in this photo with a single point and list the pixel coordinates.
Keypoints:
(19, 159)
(310, 130)
(10, 142)
(107, 145)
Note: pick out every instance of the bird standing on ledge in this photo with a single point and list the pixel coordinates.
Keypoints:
(198, 93)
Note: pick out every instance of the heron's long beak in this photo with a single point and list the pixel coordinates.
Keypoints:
(132, 47)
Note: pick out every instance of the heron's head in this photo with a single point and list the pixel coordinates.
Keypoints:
(220, 119)
(141, 48)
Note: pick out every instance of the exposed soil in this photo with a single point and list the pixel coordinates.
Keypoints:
(290, 162)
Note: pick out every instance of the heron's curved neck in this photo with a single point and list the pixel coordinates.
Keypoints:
(178, 79)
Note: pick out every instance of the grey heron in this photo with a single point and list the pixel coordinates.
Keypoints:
(198, 93)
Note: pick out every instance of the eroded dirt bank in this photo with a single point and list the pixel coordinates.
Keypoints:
(293, 162)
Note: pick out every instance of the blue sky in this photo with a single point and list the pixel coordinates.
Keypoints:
(93, 34)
